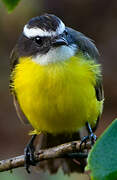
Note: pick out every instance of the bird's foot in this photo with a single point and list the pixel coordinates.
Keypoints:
(92, 137)
(29, 157)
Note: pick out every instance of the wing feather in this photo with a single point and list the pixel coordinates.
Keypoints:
(13, 62)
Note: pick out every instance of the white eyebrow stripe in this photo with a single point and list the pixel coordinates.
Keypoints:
(60, 28)
(33, 32)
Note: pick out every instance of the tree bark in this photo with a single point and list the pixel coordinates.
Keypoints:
(67, 150)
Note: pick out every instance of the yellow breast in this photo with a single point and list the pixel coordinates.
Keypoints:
(57, 97)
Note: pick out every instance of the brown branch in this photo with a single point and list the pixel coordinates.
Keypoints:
(60, 151)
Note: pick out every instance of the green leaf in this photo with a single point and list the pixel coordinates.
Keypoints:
(102, 159)
(10, 4)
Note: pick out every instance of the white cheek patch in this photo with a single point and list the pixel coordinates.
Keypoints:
(35, 31)
(57, 54)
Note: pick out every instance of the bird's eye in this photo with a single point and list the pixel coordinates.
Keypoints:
(38, 40)
(66, 33)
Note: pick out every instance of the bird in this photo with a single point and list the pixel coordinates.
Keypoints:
(56, 85)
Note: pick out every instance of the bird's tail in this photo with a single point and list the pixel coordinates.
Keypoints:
(52, 165)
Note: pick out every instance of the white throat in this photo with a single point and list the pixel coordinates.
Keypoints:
(56, 54)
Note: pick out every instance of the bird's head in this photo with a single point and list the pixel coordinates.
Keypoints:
(46, 39)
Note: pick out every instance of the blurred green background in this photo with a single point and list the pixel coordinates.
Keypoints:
(96, 19)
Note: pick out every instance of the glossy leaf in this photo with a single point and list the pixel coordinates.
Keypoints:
(102, 159)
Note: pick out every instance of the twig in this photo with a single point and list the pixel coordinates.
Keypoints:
(69, 150)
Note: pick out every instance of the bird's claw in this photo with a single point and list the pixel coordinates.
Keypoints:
(29, 157)
(92, 137)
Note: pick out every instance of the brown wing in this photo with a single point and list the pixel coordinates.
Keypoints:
(99, 91)
(13, 63)
(20, 113)
(100, 96)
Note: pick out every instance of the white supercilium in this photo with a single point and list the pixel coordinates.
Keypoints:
(35, 31)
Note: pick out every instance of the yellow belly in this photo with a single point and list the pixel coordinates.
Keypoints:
(58, 97)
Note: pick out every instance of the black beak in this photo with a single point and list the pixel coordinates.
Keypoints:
(60, 41)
